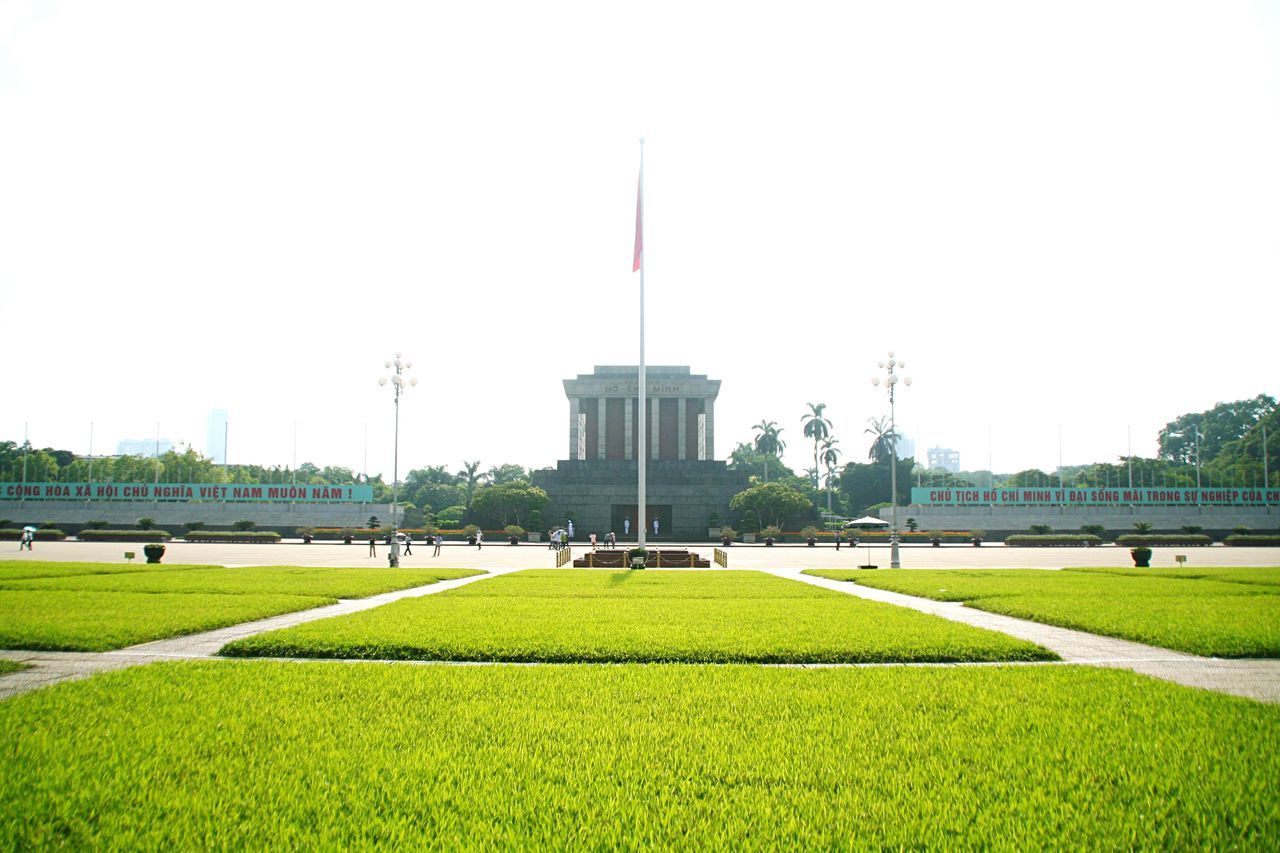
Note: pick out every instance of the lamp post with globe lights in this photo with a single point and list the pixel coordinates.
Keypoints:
(400, 383)
(891, 381)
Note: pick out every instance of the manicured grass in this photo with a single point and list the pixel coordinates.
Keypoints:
(16, 569)
(593, 615)
(88, 610)
(1264, 576)
(274, 755)
(286, 580)
(11, 666)
(1204, 615)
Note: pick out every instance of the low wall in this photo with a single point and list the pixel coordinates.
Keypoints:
(172, 515)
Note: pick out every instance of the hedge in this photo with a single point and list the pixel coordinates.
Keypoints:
(1180, 540)
(47, 534)
(1253, 539)
(1052, 540)
(237, 536)
(124, 536)
(906, 536)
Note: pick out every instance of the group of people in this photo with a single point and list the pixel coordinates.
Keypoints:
(407, 542)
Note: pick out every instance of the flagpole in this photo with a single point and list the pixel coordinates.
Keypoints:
(643, 445)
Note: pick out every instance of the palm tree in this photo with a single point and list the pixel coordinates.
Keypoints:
(830, 456)
(816, 427)
(885, 442)
(471, 477)
(769, 443)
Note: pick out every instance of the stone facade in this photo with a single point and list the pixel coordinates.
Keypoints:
(596, 486)
(174, 514)
(1018, 519)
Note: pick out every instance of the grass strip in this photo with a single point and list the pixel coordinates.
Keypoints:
(7, 666)
(20, 569)
(1201, 615)
(281, 580)
(262, 755)
(1261, 576)
(591, 615)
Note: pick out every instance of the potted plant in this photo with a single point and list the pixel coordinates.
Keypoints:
(771, 533)
(1141, 557)
(637, 557)
(810, 535)
(935, 538)
(727, 535)
(348, 535)
(154, 551)
(470, 532)
(975, 536)
(307, 534)
(514, 532)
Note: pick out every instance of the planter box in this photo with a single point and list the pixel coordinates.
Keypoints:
(749, 538)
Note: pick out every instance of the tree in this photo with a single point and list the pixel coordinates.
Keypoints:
(867, 484)
(830, 457)
(770, 503)
(469, 477)
(746, 459)
(500, 474)
(884, 439)
(818, 428)
(508, 502)
(769, 443)
(1216, 428)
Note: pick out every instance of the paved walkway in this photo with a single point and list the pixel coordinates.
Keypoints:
(1253, 679)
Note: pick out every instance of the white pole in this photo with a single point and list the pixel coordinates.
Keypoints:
(643, 462)
(91, 457)
(1266, 481)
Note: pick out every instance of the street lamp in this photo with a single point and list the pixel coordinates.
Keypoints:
(890, 382)
(400, 384)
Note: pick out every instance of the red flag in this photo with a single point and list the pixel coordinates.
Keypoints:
(635, 265)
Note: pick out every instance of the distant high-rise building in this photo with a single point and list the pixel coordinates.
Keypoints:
(906, 447)
(145, 447)
(944, 458)
(215, 436)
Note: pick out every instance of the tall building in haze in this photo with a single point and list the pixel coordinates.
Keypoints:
(215, 436)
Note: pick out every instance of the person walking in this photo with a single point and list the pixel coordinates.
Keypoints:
(24, 541)
(439, 538)
(479, 539)
(408, 544)
(612, 539)
(593, 541)
(373, 547)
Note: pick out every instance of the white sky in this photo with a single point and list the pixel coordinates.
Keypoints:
(1060, 214)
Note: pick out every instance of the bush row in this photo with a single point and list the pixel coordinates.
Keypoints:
(124, 536)
(45, 534)
(1053, 540)
(1138, 540)
(244, 536)
(1254, 539)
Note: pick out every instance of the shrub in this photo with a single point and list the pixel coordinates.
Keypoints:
(1094, 530)
(373, 521)
(305, 531)
(1054, 540)
(809, 532)
(1192, 528)
(245, 524)
(44, 534)
(146, 523)
(513, 530)
(470, 530)
(1242, 530)
(1138, 540)
(913, 525)
(194, 525)
(727, 532)
(1040, 529)
(771, 532)
(233, 536)
(148, 535)
(97, 524)
(1257, 540)
(1141, 527)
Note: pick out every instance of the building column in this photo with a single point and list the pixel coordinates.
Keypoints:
(600, 428)
(682, 428)
(628, 412)
(573, 427)
(710, 407)
(654, 433)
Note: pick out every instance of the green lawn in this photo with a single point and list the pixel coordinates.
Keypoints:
(561, 615)
(1227, 613)
(274, 755)
(17, 569)
(86, 610)
(7, 666)
(1265, 576)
